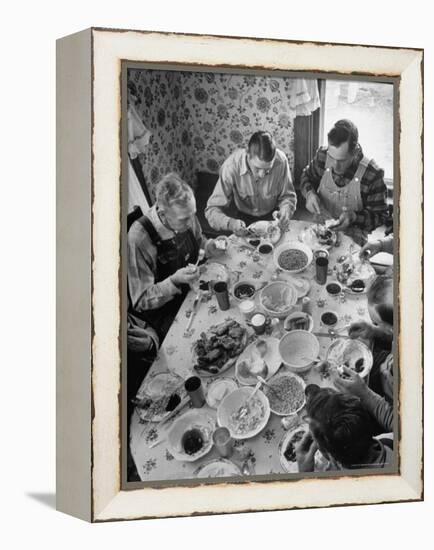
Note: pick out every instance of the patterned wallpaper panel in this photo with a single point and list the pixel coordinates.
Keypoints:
(198, 119)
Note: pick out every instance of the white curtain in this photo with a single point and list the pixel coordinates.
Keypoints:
(136, 197)
(305, 99)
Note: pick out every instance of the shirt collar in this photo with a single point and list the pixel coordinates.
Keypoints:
(244, 167)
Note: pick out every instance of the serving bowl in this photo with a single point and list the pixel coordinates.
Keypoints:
(252, 423)
(279, 294)
(285, 393)
(299, 349)
(285, 248)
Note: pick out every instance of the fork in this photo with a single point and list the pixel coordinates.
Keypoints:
(244, 409)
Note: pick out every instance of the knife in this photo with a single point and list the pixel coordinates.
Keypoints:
(166, 419)
(193, 313)
(327, 335)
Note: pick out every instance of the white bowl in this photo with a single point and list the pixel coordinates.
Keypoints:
(201, 420)
(293, 245)
(277, 381)
(298, 315)
(278, 291)
(243, 282)
(232, 403)
(299, 350)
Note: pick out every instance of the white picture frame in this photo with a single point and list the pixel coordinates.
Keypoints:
(89, 265)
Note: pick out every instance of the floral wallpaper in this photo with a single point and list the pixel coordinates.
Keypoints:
(161, 108)
(198, 119)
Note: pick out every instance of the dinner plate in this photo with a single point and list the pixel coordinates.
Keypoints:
(272, 359)
(156, 392)
(220, 467)
(310, 238)
(227, 365)
(350, 351)
(203, 423)
(218, 389)
(260, 230)
(291, 466)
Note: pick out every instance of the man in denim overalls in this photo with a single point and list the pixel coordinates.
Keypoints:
(342, 183)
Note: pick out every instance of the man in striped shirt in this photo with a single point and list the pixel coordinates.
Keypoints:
(342, 183)
(253, 183)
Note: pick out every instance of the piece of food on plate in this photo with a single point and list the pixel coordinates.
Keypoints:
(221, 243)
(289, 452)
(323, 234)
(262, 347)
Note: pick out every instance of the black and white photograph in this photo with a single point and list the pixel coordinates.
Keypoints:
(258, 258)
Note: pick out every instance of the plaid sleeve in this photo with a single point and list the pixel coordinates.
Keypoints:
(374, 195)
(313, 172)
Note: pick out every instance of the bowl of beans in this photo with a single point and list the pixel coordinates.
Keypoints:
(244, 290)
(293, 257)
(329, 318)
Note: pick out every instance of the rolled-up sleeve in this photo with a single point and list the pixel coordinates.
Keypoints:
(144, 293)
(221, 198)
(312, 173)
(287, 196)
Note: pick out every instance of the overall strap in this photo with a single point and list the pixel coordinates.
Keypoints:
(146, 223)
(361, 169)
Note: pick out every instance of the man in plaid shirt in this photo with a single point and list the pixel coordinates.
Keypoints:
(340, 182)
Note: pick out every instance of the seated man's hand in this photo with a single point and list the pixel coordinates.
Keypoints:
(305, 453)
(370, 249)
(346, 219)
(238, 227)
(138, 340)
(313, 203)
(212, 251)
(362, 331)
(284, 216)
(185, 275)
(351, 382)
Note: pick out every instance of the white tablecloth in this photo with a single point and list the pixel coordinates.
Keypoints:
(175, 355)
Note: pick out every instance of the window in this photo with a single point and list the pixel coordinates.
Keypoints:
(370, 106)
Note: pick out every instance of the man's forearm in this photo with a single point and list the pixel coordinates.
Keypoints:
(217, 219)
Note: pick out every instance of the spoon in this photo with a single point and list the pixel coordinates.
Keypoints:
(334, 331)
(200, 257)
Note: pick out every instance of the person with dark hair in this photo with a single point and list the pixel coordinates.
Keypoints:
(342, 183)
(343, 430)
(253, 182)
(162, 249)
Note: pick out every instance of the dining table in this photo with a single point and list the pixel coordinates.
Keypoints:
(259, 455)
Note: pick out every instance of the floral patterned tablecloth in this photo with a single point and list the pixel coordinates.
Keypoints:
(260, 454)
